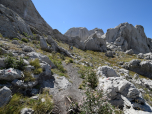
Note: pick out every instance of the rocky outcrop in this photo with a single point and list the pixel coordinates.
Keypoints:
(56, 48)
(12, 25)
(96, 43)
(144, 68)
(10, 74)
(5, 96)
(27, 11)
(125, 36)
(81, 32)
(120, 92)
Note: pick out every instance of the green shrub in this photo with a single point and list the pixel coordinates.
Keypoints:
(92, 79)
(25, 40)
(20, 64)
(95, 103)
(12, 62)
(70, 61)
(62, 56)
(15, 39)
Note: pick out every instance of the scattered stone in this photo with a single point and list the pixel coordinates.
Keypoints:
(140, 56)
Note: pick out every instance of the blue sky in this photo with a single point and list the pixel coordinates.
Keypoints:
(104, 14)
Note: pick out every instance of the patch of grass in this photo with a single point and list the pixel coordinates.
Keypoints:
(38, 71)
(18, 102)
(56, 71)
(15, 39)
(25, 40)
(28, 76)
(36, 64)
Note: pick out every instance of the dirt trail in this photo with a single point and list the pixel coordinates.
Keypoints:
(75, 94)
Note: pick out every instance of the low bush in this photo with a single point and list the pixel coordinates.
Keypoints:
(95, 103)
(92, 79)
(12, 62)
(25, 40)
(15, 39)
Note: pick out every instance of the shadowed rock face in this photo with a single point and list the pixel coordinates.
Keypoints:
(12, 25)
(27, 10)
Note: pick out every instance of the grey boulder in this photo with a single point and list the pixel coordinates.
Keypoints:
(106, 71)
(10, 74)
(28, 49)
(5, 96)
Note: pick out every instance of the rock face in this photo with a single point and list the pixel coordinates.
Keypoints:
(5, 96)
(144, 68)
(27, 11)
(126, 36)
(10, 74)
(11, 23)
